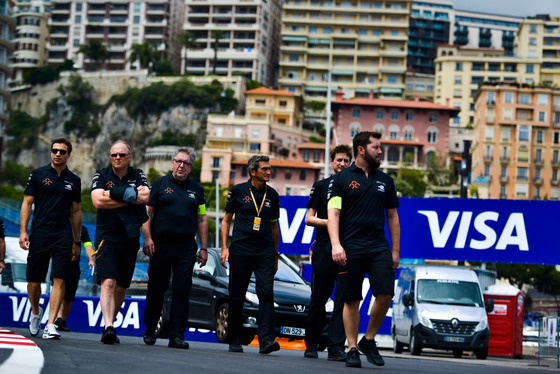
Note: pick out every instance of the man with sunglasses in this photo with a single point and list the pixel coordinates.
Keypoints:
(177, 210)
(55, 232)
(119, 193)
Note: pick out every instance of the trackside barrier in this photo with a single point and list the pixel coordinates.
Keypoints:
(549, 339)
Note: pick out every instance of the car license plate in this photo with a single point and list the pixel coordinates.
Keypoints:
(296, 331)
(454, 339)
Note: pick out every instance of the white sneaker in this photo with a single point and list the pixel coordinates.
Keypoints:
(51, 332)
(35, 322)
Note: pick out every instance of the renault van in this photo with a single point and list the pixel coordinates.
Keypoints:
(440, 307)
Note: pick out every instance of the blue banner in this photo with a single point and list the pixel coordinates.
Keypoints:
(516, 231)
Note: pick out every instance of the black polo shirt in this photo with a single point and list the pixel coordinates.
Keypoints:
(176, 208)
(245, 240)
(84, 236)
(122, 223)
(318, 201)
(53, 198)
(362, 216)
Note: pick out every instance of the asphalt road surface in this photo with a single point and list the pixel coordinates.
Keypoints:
(84, 353)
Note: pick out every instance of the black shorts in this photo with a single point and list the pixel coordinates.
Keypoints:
(379, 268)
(71, 282)
(41, 251)
(116, 260)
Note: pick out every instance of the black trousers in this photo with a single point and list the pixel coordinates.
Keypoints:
(168, 257)
(323, 280)
(241, 268)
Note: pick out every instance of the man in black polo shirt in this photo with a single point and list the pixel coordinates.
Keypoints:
(325, 270)
(177, 209)
(55, 232)
(253, 248)
(359, 198)
(119, 193)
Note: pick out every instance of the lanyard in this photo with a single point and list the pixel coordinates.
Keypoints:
(255, 202)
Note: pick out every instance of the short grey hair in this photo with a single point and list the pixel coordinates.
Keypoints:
(121, 142)
(188, 150)
(253, 163)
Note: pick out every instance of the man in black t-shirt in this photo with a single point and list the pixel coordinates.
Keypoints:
(324, 269)
(119, 193)
(55, 232)
(71, 282)
(177, 210)
(359, 199)
(253, 248)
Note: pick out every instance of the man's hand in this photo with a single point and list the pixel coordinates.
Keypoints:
(148, 247)
(75, 253)
(224, 257)
(24, 241)
(339, 255)
(202, 257)
(396, 259)
(143, 195)
(2, 267)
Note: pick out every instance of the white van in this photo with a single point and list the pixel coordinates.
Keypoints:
(440, 307)
(14, 278)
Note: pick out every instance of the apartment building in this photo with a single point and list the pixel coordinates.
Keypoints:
(413, 131)
(30, 39)
(516, 144)
(272, 125)
(363, 44)
(118, 25)
(460, 70)
(484, 30)
(7, 26)
(539, 40)
(247, 34)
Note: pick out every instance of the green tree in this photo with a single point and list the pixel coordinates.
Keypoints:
(15, 174)
(410, 182)
(547, 280)
(152, 175)
(163, 67)
(186, 40)
(87, 204)
(8, 191)
(252, 84)
(79, 95)
(46, 74)
(195, 170)
(96, 52)
(23, 130)
(144, 53)
(438, 173)
(216, 36)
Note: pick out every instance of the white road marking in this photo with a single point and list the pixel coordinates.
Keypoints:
(26, 357)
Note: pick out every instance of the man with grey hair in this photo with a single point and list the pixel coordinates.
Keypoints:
(119, 193)
(253, 248)
(176, 211)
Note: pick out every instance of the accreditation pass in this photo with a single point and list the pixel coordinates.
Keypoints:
(257, 223)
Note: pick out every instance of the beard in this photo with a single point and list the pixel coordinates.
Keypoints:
(373, 163)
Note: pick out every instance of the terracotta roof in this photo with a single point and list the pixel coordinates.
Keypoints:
(402, 142)
(283, 164)
(396, 103)
(311, 145)
(268, 91)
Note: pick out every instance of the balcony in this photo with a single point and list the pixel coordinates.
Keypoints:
(504, 159)
(554, 182)
(503, 179)
(488, 158)
(522, 178)
(537, 180)
(503, 196)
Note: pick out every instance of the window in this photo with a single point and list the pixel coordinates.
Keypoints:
(78, 7)
(306, 155)
(459, 66)
(255, 133)
(538, 155)
(532, 41)
(555, 175)
(137, 7)
(76, 43)
(432, 136)
(282, 103)
(409, 116)
(288, 191)
(395, 115)
(392, 79)
(539, 136)
(523, 154)
(490, 98)
(522, 174)
(244, 171)
(503, 191)
(458, 79)
(508, 97)
(503, 174)
(313, 30)
(488, 152)
(215, 162)
(379, 114)
(555, 157)
(327, 30)
(543, 100)
(542, 116)
(486, 170)
(302, 175)
(433, 117)
(556, 137)
(254, 147)
(288, 174)
(524, 99)
(136, 19)
(529, 68)
(532, 29)
(521, 190)
(293, 58)
(219, 131)
(524, 133)
(489, 133)
(356, 113)
(316, 156)
(78, 19)
(507, 114)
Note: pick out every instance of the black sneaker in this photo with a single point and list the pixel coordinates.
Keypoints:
(236, 348)
(109, 335)
(353, 359)
(337, 355)
(149, 337)
(369, 348)
(269, 347)
(311, 353)
(61, 325)
(178, 343)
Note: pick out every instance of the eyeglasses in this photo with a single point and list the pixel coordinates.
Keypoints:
(121, 155)
(62, 152)
(181, 162)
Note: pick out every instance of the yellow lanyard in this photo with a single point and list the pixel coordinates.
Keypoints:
(255, 202)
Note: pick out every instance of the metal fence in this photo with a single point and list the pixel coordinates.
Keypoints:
(549, 339)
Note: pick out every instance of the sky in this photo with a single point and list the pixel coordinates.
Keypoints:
(519, 8)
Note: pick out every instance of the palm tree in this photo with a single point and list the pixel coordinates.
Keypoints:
(143, 53)
(216, 36)
(187, 40)
(96, 52)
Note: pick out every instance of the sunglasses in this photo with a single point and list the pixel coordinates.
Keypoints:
(181, 163)
(121, 155)
(55, 151)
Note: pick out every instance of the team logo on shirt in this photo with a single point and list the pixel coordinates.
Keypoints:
(110, 184)
(168, 190)
(267, 203)
(47, 182)
(247, 199)
(68, 186)
(380, 186)
(354, 185)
